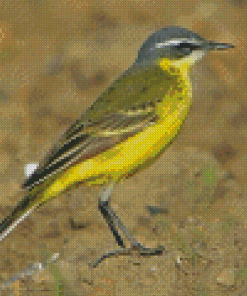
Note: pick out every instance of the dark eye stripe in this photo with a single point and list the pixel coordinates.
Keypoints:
(191, 46)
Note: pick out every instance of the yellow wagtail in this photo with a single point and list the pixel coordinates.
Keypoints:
(125, 130)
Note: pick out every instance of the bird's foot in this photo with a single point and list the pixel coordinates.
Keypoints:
(128, 251)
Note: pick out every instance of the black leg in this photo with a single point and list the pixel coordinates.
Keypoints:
(105, 211)
(114, 223)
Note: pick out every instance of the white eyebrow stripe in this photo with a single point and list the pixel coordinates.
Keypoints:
(174, 43)
(160, 45)
(168, 43)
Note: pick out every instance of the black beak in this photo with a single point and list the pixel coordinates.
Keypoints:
(218, 46)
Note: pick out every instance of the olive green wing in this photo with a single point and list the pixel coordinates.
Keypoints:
(89, 141)
(126, 108)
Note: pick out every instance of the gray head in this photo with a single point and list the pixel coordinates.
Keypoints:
(175, 43)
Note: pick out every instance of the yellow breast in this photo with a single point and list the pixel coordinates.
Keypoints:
(144, 148)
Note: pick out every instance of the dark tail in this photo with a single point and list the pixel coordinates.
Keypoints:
(21, 211)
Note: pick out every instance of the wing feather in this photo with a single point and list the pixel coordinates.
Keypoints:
(87, 142)
(126, 108)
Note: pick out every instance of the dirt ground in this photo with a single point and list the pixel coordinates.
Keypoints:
(56, 58)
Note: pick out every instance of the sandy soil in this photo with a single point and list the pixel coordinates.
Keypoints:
(56, 58)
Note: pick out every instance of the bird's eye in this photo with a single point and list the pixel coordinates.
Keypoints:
(183, 45)
(190, 46)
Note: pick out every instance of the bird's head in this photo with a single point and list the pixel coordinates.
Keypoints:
(177, 45)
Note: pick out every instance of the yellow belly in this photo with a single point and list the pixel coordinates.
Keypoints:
(131, 155)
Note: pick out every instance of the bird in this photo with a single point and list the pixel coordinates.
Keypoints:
(126, 129)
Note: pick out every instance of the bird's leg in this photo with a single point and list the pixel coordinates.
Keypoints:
(112, 219)
(115, 223)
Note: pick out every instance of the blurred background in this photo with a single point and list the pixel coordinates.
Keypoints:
(56, 57)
